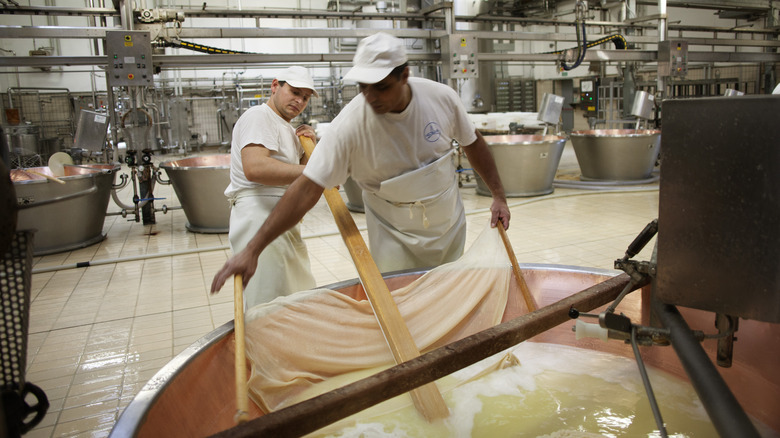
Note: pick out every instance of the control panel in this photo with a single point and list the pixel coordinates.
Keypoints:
(589, 96)
(459, 56)
(129, 58)
(673, 58)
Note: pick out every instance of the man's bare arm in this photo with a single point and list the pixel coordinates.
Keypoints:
(481, 159)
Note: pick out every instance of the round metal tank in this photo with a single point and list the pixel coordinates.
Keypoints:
(525, 163)
(616, 154)
(23, 139)
(179, 402)
(200, 183)
(64, 216)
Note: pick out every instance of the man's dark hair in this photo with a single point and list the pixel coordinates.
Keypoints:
(398, 71)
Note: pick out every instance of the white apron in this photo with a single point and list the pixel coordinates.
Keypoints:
(283, 267)
(417, 219)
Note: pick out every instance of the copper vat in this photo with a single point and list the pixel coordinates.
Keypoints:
(194, 394)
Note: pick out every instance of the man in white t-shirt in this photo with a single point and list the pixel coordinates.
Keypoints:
(395, 141)
(265, 157)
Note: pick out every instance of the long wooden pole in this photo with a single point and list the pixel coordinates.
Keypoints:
(49, 177)
(242, 392)
(529, 299)
(318, 412)
(427, 398)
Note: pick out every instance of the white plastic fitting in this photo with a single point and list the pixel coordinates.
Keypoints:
(586, 330)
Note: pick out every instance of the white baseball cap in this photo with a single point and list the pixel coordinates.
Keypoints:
(376, 56)
(297, 77)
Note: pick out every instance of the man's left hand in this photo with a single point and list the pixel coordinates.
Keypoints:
(499, 210)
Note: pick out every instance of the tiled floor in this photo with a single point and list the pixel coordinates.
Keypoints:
(97, 334)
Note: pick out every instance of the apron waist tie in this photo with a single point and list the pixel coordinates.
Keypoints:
(426, 223)
(243, 193)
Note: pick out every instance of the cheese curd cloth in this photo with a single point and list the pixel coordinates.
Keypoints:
(298, 341)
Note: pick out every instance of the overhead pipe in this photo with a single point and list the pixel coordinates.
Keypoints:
(155, 109)
(37, 89)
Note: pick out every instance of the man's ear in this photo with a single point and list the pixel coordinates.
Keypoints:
(405, 75)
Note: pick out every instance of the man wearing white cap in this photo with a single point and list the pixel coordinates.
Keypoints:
(395, 141)
(266, 156)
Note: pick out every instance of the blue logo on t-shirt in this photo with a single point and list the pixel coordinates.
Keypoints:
(432, 132)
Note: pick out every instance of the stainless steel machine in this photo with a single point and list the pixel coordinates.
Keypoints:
(720, 206)
(717, 258)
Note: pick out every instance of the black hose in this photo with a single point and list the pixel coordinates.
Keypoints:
(617, 39)
(201, 48)
(581, 47)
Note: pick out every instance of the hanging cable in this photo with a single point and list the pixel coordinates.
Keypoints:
(200, 48)
(579, 27)
(617, 39)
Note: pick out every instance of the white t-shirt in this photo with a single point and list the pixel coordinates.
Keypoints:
(375, 147)
(261, 125)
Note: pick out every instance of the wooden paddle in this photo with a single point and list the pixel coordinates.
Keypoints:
(427, 398)
(49, 177)
(242, 392)
(529, 300)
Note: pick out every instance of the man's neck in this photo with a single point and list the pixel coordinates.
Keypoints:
(407, 98)
(272, 105)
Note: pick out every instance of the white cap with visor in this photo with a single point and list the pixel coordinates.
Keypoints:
(297, 77)
(376, 56)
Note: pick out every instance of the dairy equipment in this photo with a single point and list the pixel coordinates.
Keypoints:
(163, 405)
(91, 131)
(199, 183)
(43, 204)
(236, 31)
(643, 107)
(525, 163)
(716, 251)
(720, 193)
(616, 154)
(550, 111)
(709, 229)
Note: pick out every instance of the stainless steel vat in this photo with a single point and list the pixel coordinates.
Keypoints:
(526, 163)
(200, 183)
(64, 216)
(616, 154)
(22, 139)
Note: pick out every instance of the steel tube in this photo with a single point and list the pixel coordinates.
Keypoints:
(723, 408)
